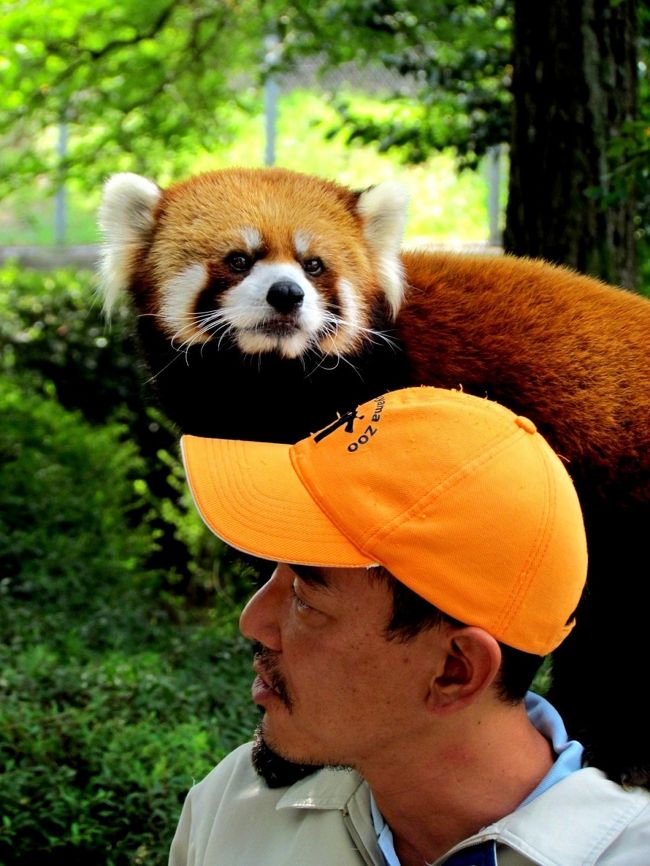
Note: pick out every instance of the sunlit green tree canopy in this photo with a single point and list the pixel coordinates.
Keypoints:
(144, 86)
(137, 84)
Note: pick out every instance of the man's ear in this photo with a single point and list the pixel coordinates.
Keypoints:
(469, 667)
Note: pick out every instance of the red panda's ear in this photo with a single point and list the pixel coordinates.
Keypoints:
(382, 209)
(126, 220)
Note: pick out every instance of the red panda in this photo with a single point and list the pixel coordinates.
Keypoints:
(286, 299)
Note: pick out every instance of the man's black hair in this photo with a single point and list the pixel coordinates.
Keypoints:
(413, 614)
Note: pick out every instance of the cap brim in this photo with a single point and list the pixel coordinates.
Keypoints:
(249, 494)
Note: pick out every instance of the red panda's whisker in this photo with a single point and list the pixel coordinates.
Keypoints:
(214, 326)
(321, 363)
(224, 333)
(340, 322)
(382, 337)
(335, 354)
(162, 370)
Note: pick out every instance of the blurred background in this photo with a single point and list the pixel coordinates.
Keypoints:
(515, 126)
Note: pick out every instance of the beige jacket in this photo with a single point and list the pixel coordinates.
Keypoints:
(232, 818)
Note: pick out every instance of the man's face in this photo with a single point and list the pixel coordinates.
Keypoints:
(334, 689)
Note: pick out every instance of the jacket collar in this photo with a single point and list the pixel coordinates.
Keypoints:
(346, 792)
(599, 811)
(326, 789)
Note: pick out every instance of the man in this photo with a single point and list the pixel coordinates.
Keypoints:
(431, 551)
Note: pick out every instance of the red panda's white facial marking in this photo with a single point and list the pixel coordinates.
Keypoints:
(351, 327)
(178, 304)
(252, 238)
(302, 242)
(274, 308)
(271, 260)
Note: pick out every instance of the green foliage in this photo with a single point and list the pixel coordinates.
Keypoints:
(103, 734)
(29, 215)
(135, 83)
(51, 325)
(108, 710)
(98, 753)
(52, 334)
(630, 152)
(65, 494)
(143, 87)
(451, 61)
(444, 206)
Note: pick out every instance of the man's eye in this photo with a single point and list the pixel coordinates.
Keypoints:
(239, 262)
(314, 267)
(300, 603)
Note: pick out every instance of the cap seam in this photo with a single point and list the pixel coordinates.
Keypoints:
(535, 556)
(314, 491)
(485, 454)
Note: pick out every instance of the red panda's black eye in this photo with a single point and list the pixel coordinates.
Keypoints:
(239, 262)
(314, 266)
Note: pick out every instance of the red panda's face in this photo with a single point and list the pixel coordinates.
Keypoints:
(270, 260)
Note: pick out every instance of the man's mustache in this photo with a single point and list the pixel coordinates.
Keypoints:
(266, 662)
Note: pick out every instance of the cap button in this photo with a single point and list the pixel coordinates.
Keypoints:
(525, 424)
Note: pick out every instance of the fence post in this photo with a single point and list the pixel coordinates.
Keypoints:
(271, 92)
(494, 194)
(60, 204)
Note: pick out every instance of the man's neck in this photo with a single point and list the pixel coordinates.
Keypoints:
(432, 798)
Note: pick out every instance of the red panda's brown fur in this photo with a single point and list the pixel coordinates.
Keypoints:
(561, 346)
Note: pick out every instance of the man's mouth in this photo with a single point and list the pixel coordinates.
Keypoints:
(262, 693)
(263, 677)
(269, 684)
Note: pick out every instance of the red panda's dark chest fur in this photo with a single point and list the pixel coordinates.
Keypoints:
(217, 391)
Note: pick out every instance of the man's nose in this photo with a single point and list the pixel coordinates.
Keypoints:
(259, 620)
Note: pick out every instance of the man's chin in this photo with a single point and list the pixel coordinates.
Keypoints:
(277, 772)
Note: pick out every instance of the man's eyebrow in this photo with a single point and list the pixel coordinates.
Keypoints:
(311, 575)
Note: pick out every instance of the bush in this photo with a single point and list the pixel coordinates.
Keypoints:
(108, 710)
(116, 691)
(99, 750)
(52, 333)
(66, 490)
(52, 326)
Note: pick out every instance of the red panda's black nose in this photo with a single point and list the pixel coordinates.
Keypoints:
(284, 296)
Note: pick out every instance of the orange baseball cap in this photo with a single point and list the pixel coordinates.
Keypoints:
(460, 499)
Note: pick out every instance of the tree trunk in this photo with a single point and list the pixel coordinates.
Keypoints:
(574, 86)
